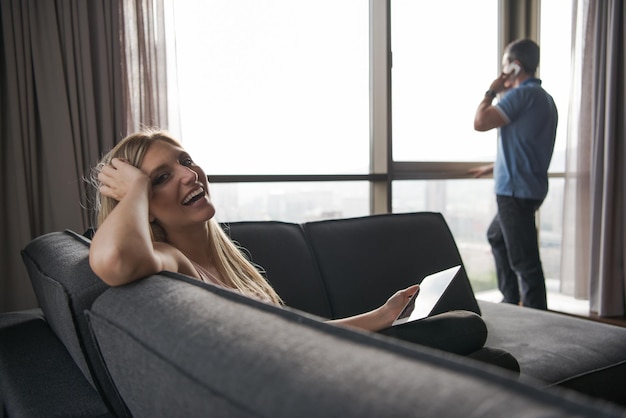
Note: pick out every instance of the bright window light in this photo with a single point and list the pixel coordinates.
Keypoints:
(445, 55)
(274, 87)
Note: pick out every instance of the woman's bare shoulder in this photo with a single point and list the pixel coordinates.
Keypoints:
(174, 260)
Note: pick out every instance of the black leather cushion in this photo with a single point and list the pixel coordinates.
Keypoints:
(281, 250)
(412, 245)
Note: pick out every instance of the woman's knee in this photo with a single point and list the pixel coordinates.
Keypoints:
(468, 324)
(497, 357)
(459, 332)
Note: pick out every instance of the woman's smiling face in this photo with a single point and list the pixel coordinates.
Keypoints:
(180, 192)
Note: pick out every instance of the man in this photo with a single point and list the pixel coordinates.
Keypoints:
(526, 118)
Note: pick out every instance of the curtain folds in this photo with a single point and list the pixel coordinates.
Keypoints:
(519, 19)
(144, 63)
(60, 81)
(576, 208)
(76, 77)
(594, 211)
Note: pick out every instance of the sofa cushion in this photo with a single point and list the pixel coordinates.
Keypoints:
(178, 347)
(281, 249)
(560, 349)
(365, 260)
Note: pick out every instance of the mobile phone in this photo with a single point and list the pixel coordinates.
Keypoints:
(513, 68)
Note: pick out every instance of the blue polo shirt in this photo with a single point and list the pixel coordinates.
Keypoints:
(525, 142)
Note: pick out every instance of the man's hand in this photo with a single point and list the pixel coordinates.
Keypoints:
(499, 84)
(483, 170)
(503, 83)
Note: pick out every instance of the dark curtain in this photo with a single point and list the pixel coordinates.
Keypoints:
(594, 230)
(607, 46)
(61, 106)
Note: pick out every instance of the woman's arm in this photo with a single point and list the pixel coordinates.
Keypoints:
(122, 250)
(382, 317)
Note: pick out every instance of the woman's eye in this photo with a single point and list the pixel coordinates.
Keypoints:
(159, 179)
(187, 162)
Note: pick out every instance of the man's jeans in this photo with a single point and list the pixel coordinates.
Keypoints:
(513, 238)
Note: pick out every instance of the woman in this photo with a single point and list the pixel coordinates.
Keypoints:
(154, 213)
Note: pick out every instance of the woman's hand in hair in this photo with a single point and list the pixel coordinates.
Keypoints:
(121, 249)
(119, 177)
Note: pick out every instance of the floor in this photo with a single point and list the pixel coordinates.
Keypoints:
(559, 302)
(556, 300)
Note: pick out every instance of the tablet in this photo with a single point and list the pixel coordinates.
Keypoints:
(423, 302)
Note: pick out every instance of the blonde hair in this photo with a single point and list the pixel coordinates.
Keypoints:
(227, 256)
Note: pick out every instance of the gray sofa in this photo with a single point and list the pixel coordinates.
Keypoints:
(169, 345)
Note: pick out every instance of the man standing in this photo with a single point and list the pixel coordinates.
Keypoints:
(526, 118)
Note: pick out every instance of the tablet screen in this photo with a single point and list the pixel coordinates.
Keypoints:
(423, 302)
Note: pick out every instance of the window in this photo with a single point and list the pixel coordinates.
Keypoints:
(282, 88)
(274, 87)
(442, 64)
(555, 68)
(468, 206)
(291, 201)
(555, 73)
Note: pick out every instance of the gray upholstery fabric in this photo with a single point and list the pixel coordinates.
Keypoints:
(560, 349)
(38, 377)
(58, 267)
(65, 285)
(8, 319)
(184, 348)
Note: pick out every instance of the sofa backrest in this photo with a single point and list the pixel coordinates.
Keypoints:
(65, 286)
(363, 261)
(58, 267)
(332, 268)
(178, 347)
(282, 251)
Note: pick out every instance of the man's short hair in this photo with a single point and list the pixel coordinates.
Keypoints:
(526, 51)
